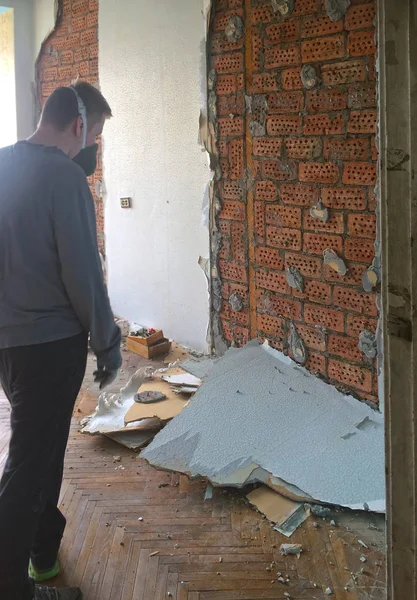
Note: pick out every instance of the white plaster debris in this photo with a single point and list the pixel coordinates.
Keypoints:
(259, 417)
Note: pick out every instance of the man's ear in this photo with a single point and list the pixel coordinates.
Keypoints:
(79, 125)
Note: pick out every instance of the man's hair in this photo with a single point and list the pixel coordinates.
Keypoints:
(61, 108)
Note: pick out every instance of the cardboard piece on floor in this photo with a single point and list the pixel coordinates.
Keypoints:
(177, 353)
(183, 379)
(164, 410)
(132, 439)
(87, 403)
(286, 514)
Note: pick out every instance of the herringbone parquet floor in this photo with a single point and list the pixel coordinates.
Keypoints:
(138, 534)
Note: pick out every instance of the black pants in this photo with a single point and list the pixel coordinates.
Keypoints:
(42, 383)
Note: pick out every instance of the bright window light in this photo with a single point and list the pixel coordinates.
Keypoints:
(8, 127)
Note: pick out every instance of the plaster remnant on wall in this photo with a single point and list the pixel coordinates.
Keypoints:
(234, 29)
(236, 302)
(212, 106)
(336, 9)
(257, 106)
(372, 275)
(211, 79)
(294, 278)
(368, 343)
(309, 77)
(283, 7)
(334, 261)
(297, 348)
(319, 212)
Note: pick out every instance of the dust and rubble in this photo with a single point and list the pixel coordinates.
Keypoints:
(257, 421)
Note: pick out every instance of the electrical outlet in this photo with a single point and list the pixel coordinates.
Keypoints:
(126, 202)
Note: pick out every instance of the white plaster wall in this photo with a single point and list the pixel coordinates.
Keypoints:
(152, 71)
(44, 23)
(23, 36)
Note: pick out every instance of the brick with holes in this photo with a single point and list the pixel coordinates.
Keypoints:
(353, 276)
(328, 100)
(317, 243)
(361, 43)
(271, 325)
(350, 375)
(363, 121)
(285, 102)
(324, 317)
(233, 272)
(266, 190)
(362, 96)
(314, 338)
(301, 195)
(229, 63)
(322, 49)
(308, 266)
(282, 55)
(229, 127)
(359, 173)
(283, 216)
(306, 7)
(274, 281)
(354, 300)
(319, 26)
(232, 190)
(263, 83)
(287, 31)
(236, 159)
(324, 124)
(269, 257)
(239, 242)
(317, 292)
(335, 223)
(316, 172)
(360, 17)
(271, 146)
(357, 323)
(346, 149)
(362, 225)
(281, 170)
(278, 305)
(283, 237)
(284, 125)
(303, 148)
(359, 250)
(345, 347)
(344, 198)
(316, 363)
(341, 73)
(291, 79)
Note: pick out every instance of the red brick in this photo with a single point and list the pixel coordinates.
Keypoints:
(228, 63)
(262, 14)
(225, 249)
(335, 224)
(372, 200)
(374, 149)
(227, 330)
(316, 363)
(242, 290)
(66, 57)
(283, 55)
(363, 96)
(264, 146)
(354, 300)
(240, 335)
(353, 276)
(79, 7)
(79, 23)
(340, 73)
(224, 227)
(282, 170)
(343, 198)
(223, 148)
(226, 84)
(285, 102)
(81, 54)
(362, 121)
(88, 37)
(362, 225)
(241, 317)
(93, 5)
(307, 265)
(361, 43)
(302, 195)
(315, 172)
(63, 29)
(346, 149)
(239, 243)
(221, 21)
(70, 41)
(313, 337)
(281, 237)
(371, 68)
(268, 257)
(324, 124)
(319, 26)
(324, 317)
(277, 305)
(49, 74)
(291, 79)
(93, 50)
(317, 292)
(257, 49)
(50, 60)
(271, 325)
(230, 127)
(359, 173)
(236, 160)
(305, 7)
(317, 243)
(283, 216)
(357, 323)
(304, 148)
(224, 167)
(232, 190)
(263, 83)
(350, 375)
(345, 347)
(259, 221)
(288, 31)
(65, 73)
(227, 105)
(326, 48)
(272, 280)
(233, 272)
(233, 210)
(360, 17)
(266, 190)
(285, 125)
(359, 250)
(326, 100)
(219, 44)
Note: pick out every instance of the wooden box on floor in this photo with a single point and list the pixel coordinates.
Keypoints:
(162, 346)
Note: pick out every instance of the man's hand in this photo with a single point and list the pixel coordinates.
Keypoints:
(105, 377)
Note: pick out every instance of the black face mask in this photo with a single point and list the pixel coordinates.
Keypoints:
(87, 159)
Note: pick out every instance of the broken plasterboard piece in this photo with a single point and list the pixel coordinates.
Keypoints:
(200, 367)
(165, 409)
(286, 514)
(183, 379)
(271, 417)
(132, 439)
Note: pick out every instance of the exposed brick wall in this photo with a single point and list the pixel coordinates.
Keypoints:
(306, 146)
(71, 51)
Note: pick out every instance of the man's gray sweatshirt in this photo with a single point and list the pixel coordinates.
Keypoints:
(51, 279)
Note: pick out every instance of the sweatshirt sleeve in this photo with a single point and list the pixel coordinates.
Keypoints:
(81, 271)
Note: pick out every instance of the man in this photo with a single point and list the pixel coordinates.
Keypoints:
(52, 295)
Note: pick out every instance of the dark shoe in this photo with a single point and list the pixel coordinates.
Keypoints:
(49, 593)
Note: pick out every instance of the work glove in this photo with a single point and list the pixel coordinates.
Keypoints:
(105, 377)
